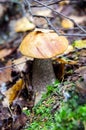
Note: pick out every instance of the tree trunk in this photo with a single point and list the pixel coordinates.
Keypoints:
(42, 75)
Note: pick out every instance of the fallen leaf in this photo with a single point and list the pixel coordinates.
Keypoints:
(20, 121)
(12, 92)
(5, 118)
(5, 52)
(81, 87)
(46, 13)
(2, 10)
(66, 61)
(81, 70)
(5, 74)
(20, 63)
(23, 25)
(78, 19)
(65, 2)
(79, 44)
(67, 24)
(69, 49)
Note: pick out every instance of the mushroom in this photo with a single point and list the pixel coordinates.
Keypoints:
(42, 45)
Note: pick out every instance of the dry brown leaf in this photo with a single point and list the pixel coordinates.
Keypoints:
(5, 52)
(20, 63)
(2, 10)
(12, 92)
(81, 87)
(5, 74)
(23, 25)
(43, 44)
(78, 19)
(81, 70)
(46, 13)
(67, 24)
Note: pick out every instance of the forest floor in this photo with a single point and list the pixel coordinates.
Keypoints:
(63, 105)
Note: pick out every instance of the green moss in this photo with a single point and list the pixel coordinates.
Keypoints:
(68, 115)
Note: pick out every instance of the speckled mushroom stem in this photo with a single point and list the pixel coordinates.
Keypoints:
(43, 74)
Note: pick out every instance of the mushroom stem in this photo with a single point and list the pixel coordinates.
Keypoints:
(42, 75)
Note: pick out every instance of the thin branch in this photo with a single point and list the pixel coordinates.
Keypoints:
(48, 3)
(11, 66)
(49, 23)
(71, 34)
(62, 15)
(27, 3)
(60, 34)
(65, 55)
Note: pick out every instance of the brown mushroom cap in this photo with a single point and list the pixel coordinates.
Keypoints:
(43, 44)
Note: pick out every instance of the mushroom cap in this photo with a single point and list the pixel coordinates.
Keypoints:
(43, 44)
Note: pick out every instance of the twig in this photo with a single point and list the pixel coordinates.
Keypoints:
(13, 65)
(49, 23)
(10, 66)
(62, 15)
(48, 3)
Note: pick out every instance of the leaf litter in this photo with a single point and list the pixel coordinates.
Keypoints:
(16, 90)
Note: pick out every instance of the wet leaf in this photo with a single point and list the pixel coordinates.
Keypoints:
(12, 92)
(23, 25)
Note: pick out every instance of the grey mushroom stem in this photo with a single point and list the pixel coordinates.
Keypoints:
(42, 75)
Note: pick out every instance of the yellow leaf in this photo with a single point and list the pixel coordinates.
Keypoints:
(65, 2)
(69, 49)
(66, 61)
(67, 24)
(23, 25)
(80, 44)
(12, 92)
